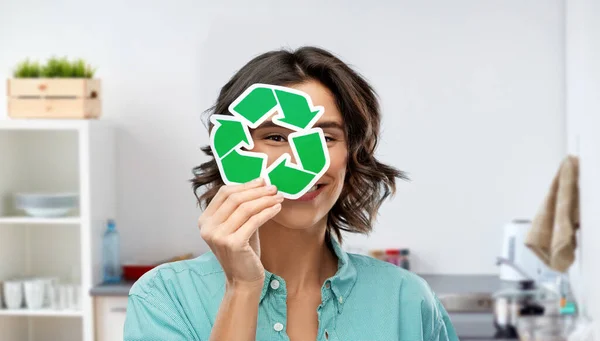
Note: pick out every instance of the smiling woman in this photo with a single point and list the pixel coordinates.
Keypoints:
(277, 270)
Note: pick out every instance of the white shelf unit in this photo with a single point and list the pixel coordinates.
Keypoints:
(55, 156)
(39, 221)
(41, 312)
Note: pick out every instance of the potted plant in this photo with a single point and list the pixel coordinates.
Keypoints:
(58, 89)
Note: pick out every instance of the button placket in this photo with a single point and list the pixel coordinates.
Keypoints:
(327, 314)
(278, 297)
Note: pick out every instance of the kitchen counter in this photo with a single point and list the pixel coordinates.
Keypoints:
(117, 289)
(440, 284)
(462, 284)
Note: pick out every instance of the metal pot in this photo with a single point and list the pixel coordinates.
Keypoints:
(509, 305)
(506, 313)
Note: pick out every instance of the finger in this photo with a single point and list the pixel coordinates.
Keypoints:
(246, 210)
(234, 200)
(256, 221)
(225, 191)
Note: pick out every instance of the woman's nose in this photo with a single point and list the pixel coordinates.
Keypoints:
(275, 156)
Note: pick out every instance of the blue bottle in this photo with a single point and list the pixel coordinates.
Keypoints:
(111, 261)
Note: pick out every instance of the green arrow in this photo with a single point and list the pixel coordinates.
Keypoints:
(310, 149)
(295, 109)
(289, 180)
(240, 168)
(228, 135)
(255, 104)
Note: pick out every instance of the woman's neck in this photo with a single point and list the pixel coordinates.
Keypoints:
(301, 257)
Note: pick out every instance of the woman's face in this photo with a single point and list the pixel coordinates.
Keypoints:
(272, 140)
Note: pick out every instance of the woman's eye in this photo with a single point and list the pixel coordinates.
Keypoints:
(329, 139)
(276, 138)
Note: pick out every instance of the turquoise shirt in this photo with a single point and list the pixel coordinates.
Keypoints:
(366, 300)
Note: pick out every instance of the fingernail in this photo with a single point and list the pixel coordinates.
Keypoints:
(279, 196)
(271, 188)
(257, 180)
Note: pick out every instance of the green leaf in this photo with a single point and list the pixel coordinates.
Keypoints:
(54, 68)
(27, 69)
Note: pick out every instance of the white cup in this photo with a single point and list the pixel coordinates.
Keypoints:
(70, 297)
(13, 294)
(34, 293)
(55, 302)
(63, 294)
(49, 284)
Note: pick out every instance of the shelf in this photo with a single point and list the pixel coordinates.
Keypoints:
(40, 221)
(49, 156)
(41, 312)
(42, 124)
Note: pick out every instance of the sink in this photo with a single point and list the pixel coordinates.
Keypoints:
(468, 303)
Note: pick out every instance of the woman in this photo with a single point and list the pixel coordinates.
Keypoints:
(276, 270)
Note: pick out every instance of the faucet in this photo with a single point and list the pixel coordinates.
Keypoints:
(505, 261)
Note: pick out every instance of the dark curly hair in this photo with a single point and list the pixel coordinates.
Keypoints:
(368, 182)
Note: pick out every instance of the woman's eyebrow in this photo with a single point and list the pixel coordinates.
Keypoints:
(268, 124)
(322, 125)
(329, 124)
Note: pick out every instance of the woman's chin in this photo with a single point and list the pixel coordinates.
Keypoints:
(296, 219)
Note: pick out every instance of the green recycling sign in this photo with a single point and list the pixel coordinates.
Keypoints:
(232, 143)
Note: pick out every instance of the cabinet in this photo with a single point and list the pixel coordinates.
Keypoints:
(55, 156)
(110, 317)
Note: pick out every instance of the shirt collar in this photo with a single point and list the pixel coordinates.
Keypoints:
(341, 283)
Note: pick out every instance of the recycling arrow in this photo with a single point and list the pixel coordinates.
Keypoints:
(231, 141)
(230, 134)
(260, 101)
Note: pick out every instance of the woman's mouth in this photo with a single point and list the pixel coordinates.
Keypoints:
(312, 193)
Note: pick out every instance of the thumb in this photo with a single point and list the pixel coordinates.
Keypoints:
(254, 242)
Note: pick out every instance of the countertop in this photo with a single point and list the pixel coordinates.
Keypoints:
(118, 289)
(440, 284)
(461, 284)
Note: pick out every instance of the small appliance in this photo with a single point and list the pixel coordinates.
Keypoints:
(516, 253)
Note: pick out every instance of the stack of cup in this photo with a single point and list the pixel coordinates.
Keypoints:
(39, 293)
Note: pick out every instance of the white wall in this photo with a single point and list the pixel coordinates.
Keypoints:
(583, 118)
(472, 94)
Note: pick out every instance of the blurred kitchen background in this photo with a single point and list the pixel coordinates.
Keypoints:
(481, 102)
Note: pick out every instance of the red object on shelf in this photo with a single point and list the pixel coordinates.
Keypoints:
(134, 272)
(393, 256)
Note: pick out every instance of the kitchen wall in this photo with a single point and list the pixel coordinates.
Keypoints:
(472, 95)
(583, 123)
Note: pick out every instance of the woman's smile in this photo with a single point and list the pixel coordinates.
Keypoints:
(312, 193)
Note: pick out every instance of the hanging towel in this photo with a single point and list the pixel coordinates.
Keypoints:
(552, 233)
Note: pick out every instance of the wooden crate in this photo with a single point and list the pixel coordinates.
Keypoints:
(54, 98)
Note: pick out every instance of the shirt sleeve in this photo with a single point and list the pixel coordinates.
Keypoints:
(444, 327)
(147, 321)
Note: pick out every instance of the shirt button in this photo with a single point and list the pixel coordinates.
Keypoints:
(341, 299)
(278, 327)
(275, 284)
(327, 285)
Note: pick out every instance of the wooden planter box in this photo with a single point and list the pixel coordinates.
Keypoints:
(53, 98)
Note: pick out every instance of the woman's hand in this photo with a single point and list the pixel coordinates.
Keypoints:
(229, 225)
